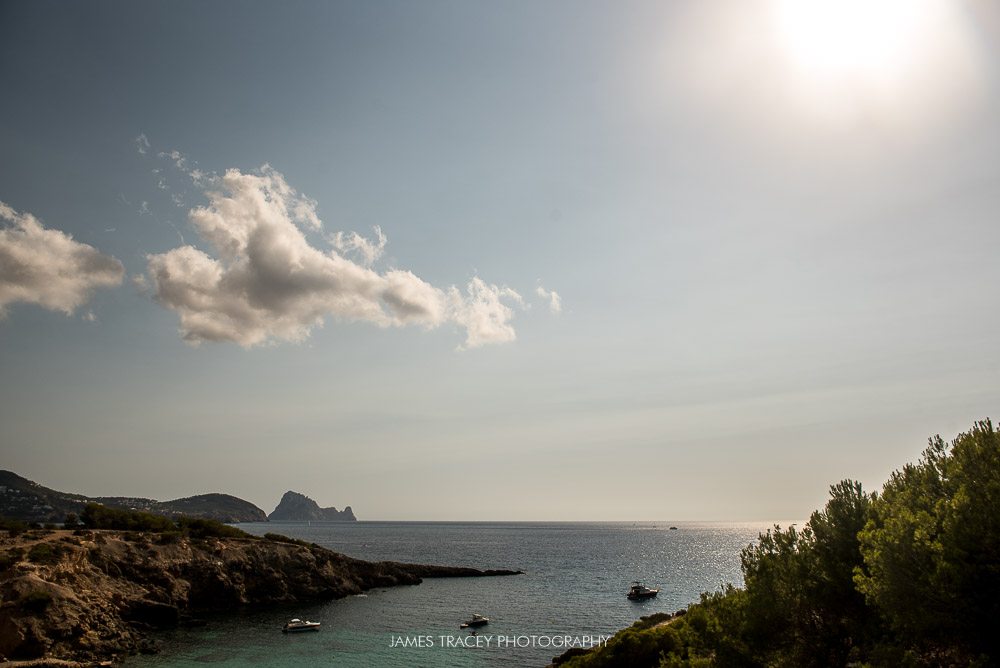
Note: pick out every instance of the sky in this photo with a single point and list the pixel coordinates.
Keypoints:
(682, 260)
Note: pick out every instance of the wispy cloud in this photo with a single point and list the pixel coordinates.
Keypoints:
(176, 157)
(551, 297)
(47, 267)
(142, 144)
(265, 282)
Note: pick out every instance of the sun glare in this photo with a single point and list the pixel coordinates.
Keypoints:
(848, 59)
(862, 39)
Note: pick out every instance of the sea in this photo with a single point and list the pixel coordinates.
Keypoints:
(572, 593)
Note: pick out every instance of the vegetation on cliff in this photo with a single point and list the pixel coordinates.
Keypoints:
(908, 577)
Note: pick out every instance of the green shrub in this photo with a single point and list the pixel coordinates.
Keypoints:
(44, 553)
(649, 621)
(10, 557)
(168, 537)
(202, 528)
(278, 538)
(13, 527)
(96, 516)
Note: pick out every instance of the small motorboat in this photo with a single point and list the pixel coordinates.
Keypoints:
(477, 620)
(298, 626)
(637, 592)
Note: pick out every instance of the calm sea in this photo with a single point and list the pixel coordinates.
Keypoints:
(576, 578)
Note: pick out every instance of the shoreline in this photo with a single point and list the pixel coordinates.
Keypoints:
(94, 596)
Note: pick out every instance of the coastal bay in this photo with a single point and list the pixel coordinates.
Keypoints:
(576, 576)
(96, 595)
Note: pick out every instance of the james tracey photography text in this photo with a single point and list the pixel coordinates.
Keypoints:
(499, 641)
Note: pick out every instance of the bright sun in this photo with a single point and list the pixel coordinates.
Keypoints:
(871, 41)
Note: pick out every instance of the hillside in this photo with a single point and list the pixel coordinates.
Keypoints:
(26, 500)
(221, 507)
(23, 499)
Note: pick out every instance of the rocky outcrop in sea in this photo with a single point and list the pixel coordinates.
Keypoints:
(295, 507)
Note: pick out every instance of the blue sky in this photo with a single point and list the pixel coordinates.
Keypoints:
(774, 246)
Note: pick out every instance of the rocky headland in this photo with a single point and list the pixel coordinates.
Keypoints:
(295, 507)
(95, 595)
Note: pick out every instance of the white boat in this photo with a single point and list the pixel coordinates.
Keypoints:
(477, 620)
(298, 626)
(637, 592)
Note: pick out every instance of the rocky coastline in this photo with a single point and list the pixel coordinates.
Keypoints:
(94, 596)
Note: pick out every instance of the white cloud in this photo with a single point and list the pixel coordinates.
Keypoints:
(47, 267)
(264, 281)
(552, 297)
(367, 250)
(483, 314)
(142, 144)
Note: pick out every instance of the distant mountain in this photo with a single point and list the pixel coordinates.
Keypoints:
(23, 499)
(295, 507)
(221, 507)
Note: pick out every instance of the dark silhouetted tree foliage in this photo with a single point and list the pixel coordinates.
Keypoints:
(932, 548)
(203, 528)
(96, 516)
(910, 577)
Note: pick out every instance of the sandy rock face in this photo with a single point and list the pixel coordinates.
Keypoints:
(95, 595)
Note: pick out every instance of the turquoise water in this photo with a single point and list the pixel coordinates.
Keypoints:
(575, 583)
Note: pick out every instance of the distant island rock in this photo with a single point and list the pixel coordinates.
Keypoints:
(26, 500)
(295, 507)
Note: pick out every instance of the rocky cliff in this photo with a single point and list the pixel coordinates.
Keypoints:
(295, 507)
(94, 595)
